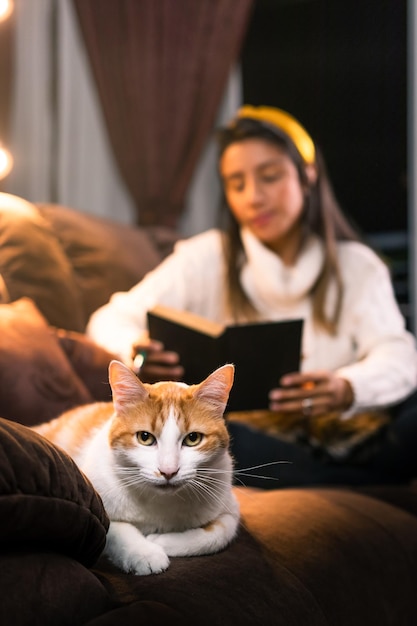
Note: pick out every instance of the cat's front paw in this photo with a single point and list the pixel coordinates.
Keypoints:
(127, 548)
(150, 559)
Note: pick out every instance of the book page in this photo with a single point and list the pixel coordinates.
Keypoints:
(191, 320)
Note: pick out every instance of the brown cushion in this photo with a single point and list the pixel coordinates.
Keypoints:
(46, 503)
(299, 554)
(106, 256)
(89, 361)
(37, 381)
(334, 544)
(47, 589)
(33, 264)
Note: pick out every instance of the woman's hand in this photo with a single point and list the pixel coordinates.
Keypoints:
(153, 363)
(311, 393)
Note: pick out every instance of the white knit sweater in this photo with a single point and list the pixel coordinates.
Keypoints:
(372, 349)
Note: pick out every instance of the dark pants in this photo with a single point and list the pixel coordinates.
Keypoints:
(392, 459)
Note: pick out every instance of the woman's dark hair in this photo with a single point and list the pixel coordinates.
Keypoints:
(322, 216)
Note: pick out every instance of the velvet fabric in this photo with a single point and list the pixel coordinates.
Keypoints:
(104, 256)
(316, 557)
(57, 266)
(35, 389)
(161, 69)
(44, 588)
(33, 264)
(89, 362)
(64, 368)
(46, 503)
(69, 263)
(308, 556)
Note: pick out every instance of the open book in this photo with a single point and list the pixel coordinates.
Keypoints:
(261, 352)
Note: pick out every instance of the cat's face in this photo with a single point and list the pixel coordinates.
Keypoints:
(164, 434)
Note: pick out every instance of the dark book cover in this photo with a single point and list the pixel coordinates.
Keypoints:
(262, 352)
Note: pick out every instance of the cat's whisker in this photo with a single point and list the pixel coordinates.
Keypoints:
(200, 493)
(129, 481)
(259, 476)
(216, 486)
(247, 471)
(242, 484)
(201, 486)
(244, 471)
(209, 490)
(214, 483)
(253, 467)
(214, 470)
(113, 491)
(215, 497)
(249, 474)
(216, 479)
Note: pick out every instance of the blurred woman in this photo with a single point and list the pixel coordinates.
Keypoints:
(285, 251)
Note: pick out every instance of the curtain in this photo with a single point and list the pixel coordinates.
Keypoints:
(87, 176)
(57, 132)
(161, 68)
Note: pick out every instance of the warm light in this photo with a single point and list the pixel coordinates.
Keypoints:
(6, 9)
(6, 162)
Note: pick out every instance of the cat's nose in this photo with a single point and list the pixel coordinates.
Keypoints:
(168, 475)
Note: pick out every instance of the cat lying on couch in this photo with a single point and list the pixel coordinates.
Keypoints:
(158, 456)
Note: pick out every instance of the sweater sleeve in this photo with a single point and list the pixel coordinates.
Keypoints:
(188, 279)
(386, 368)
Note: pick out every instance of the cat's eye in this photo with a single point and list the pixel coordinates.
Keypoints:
(192, 439)
(145, 438)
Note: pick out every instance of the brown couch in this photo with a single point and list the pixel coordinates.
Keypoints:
(316, 556)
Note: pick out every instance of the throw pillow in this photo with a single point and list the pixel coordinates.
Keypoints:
(46, 503)
(89, 360)
(33, 264)
(37, 381)
(105, 256)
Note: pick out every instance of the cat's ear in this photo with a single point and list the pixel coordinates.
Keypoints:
(125, 385)
(215, 388)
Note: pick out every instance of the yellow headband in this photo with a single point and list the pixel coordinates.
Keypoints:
(286, 123)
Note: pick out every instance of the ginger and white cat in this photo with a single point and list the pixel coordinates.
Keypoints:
(158, 456)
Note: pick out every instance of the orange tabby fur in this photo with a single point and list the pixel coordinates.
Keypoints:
(158, 455)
